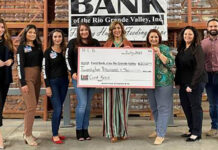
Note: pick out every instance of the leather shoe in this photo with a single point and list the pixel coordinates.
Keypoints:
(62, 137)
(153, 135)
(123, 138)
(86, 134)
(212, 132)
(186, 135)
(79, 135)
(158, 140)
(114, 139)
(57, 142)
(29, 140)
(191, 139)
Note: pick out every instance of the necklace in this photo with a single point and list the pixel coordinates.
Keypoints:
(117, 44)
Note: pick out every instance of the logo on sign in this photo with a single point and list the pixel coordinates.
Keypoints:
(109, 6)
(84, 77)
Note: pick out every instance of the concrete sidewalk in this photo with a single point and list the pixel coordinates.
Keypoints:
(139, 128)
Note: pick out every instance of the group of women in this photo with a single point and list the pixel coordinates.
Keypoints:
(55, 63)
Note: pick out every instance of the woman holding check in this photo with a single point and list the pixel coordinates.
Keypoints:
(161, 97)
(84, 95)
(116, 100)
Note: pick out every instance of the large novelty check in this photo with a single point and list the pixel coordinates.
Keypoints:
(102, 67)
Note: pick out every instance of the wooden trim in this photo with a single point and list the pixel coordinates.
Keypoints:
(205, 8)
(175, 39)
(45, 108)
(45, 26)
(189, 15)
(11, 10)
(20, 25)
(63, 24)
(200, 25)
(177, 25)
(22, 3)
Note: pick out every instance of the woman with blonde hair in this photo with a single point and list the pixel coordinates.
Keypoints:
(116, 100)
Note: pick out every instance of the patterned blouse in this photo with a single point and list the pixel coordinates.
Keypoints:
(163, 74)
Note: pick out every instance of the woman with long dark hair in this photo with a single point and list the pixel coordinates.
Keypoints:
(29, 60)
(84, 95)
(190, 79)
(6, 61)
(56, 78)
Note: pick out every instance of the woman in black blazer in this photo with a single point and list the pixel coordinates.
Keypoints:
(6, 61)
(190, 79)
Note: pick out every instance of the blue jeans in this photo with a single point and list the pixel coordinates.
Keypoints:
(84, 97)
(59, 87)
(212, 95)
(161, 104)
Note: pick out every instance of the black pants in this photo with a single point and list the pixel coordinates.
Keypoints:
(3, 94)
(191, 104)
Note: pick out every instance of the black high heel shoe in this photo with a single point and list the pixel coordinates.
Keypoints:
(190, 139)
(86, 134)
(186, 135)
(79, 135)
